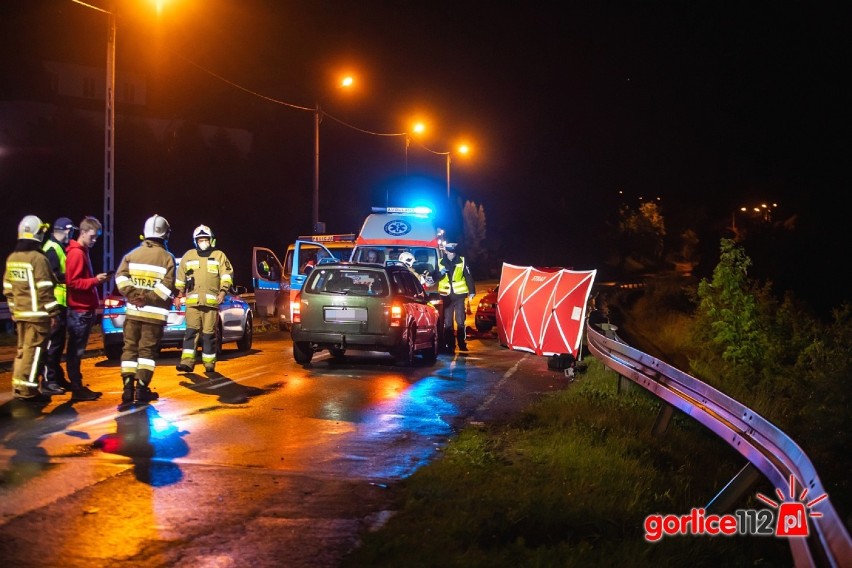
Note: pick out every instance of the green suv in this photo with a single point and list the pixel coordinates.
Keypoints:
(365, 307)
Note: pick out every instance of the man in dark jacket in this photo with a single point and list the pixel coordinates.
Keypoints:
(54, 248)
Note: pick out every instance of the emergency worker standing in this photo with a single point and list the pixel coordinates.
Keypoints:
(146, 278)
(455, 286)
(204, 276)
(54, 248)
(28, 286)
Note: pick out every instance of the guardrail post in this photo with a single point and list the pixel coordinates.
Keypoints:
(741, 484)
(623, 384)
(663, 419)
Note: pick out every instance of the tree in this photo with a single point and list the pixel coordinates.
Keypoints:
(473, 218)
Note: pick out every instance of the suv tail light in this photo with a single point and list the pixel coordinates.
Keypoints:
(295, 310)
(396, 312)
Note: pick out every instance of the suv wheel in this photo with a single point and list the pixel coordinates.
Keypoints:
(302, 352)
(405, 353)
(483, 327)
(430, 355)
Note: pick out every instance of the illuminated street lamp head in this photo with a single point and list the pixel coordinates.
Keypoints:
(463, 148)
(347, 81)
(418, 128)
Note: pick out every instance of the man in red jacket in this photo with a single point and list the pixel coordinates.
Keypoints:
(83, 303)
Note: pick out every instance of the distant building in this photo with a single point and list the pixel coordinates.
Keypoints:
(81, 89)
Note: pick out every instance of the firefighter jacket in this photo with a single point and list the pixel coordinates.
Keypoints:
(146, 278)
(202, 275)
(456, 277)
(28, 284)
(56, 257)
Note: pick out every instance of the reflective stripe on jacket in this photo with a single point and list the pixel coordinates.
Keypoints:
(147, 275)
(28, 286)
(210, 273)
(459, 282)
(59, 290)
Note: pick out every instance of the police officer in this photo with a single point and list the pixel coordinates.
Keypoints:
(146, 278)
(28, 286)
(204, 276)
(54, 248)
(455, 286)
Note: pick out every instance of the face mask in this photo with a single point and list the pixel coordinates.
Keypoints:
(203, 245)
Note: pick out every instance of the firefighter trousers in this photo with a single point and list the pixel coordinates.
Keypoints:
(201, 319)
(141, 350)
(32, 341)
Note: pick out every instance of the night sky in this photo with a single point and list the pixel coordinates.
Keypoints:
(707, 106)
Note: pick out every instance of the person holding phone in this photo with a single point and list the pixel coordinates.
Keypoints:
(83, 303)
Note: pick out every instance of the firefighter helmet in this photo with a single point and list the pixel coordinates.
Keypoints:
(33, 228)
(203, 232)
(156, 227)
(407, 258)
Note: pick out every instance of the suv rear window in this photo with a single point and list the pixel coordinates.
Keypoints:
(348, 281)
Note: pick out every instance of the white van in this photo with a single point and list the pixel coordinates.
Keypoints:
(390, 231)
(276, 283)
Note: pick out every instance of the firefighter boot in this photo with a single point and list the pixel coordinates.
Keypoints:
(186, 365)
(462, 339)
(129, 389)
(144, 393)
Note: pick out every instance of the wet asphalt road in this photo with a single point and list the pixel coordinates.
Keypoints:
(266, 464)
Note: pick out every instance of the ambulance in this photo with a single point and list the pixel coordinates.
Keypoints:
(389, 231)
(276, 283)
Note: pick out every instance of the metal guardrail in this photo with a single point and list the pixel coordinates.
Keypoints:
(767, 449)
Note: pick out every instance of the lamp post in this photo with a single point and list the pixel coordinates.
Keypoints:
(315, 224)
(109, 151)
(319, 227)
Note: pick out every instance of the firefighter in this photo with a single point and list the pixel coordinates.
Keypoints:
(146, 278)
(408, 260)
(28, 284)
(54, 248)
(455, 286)
(204, 277)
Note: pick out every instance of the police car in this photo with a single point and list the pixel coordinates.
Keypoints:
(236, 323)
(276, 283)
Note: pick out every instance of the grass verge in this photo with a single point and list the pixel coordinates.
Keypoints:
(568, 483)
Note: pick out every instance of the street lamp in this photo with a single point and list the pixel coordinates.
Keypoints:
(109, 142)
(109, 152)
(318, 228)
(417, 128)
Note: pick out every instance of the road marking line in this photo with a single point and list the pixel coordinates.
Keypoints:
(502, 380)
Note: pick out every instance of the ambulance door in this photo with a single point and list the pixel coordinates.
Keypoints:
(266, 279)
